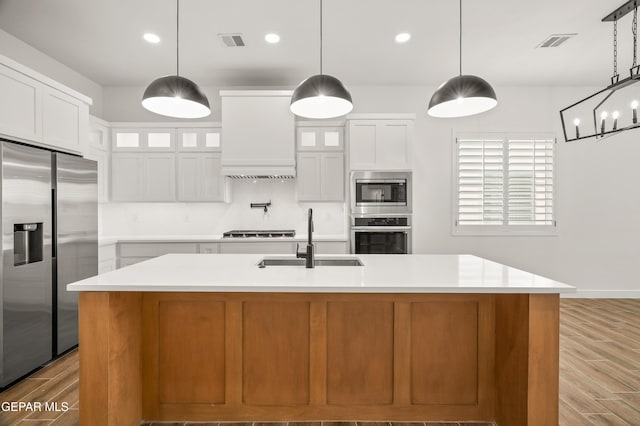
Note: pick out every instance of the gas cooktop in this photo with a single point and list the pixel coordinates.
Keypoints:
(265, 233)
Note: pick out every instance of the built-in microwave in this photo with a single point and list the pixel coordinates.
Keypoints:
(380, 192)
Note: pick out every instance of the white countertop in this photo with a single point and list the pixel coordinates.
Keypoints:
(380, 274)
(208, 238)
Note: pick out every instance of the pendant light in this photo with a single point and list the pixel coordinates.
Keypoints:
(173, 95)
(321, 95)
(462, 95)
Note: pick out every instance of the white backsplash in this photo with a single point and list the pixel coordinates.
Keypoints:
(215, 218)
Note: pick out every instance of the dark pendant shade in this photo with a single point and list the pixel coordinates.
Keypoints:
(321, 96)
(461, 96)
(176, 96)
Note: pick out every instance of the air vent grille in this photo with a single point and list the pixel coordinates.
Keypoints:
(555, 40)
(232, 40)
(260, 177)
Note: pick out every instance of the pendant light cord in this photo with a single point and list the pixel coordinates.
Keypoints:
(460, 37)
(320, 37)
(178, 37)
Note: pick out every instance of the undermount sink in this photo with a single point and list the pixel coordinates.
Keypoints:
(320, 261)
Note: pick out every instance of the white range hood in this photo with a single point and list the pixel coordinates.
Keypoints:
(258, 134)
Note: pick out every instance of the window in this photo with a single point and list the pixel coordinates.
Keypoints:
(504, 184)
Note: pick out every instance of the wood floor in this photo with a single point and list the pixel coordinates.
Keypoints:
(599, 373)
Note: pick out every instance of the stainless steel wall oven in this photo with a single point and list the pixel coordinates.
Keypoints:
(381, 234)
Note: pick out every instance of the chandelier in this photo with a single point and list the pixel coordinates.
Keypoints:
(614, 108)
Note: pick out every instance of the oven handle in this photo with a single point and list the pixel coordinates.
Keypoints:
(381, 228)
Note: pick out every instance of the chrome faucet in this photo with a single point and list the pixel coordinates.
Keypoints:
(310, 254)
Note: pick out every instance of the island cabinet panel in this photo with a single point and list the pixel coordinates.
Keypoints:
(191, 352)
(360, 353)
(444, 353)
(165, 356)
(275, 361)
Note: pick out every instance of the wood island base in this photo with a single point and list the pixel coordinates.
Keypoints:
(167, 356)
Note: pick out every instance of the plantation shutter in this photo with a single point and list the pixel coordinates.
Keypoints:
(480, 181)
(530, 176)
(505, 181)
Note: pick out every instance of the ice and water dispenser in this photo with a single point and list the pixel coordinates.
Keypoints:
(27, 243)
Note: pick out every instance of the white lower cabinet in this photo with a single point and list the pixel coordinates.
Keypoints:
(320, 176)
(331, 247)
(199, 177)
(132, 253)
(106, 258)
(259, 247)
(208, 248)
(143, 177)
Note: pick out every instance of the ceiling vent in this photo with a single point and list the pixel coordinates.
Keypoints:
(232, 40)
(555, 40)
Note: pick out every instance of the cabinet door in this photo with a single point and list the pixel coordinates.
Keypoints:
(199, 177)
(126, 140)
(189, 176)
(20, 105)
(332, 176)
(126, 177)
(98, 135)
(212, 179)
(159, 177)
(362, 145)
(65, 121)
(307, 138)
(393, 144)
(258, 247)
(194, 139)
(308, 176)
(332, 138)
(102, 158)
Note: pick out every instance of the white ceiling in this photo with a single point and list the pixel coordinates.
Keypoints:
(102, 39)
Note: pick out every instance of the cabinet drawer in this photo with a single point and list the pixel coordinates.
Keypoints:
(208, 248)
(259, 247)
(155, 249)
(331, 247)
(126, 261)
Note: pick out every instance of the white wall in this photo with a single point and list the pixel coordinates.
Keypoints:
(215, 218)
(598, 207)
(598, 203)
(27, 55)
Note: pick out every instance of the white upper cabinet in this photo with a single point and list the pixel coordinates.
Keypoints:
(380, 144)
(38, 110)
(143, 139)
(199, 177)
(199, 139)
(320, 170)
(65, 121)
(98, 150)
(143, 177)
(20, 105)
(320, 138)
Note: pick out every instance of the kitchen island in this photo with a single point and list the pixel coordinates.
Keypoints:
(201, 337)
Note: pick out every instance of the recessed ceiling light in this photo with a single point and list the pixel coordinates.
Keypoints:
(151, 38)
(272, 38)
(403, 37)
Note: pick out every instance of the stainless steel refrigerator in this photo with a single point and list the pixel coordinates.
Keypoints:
(49, 239)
